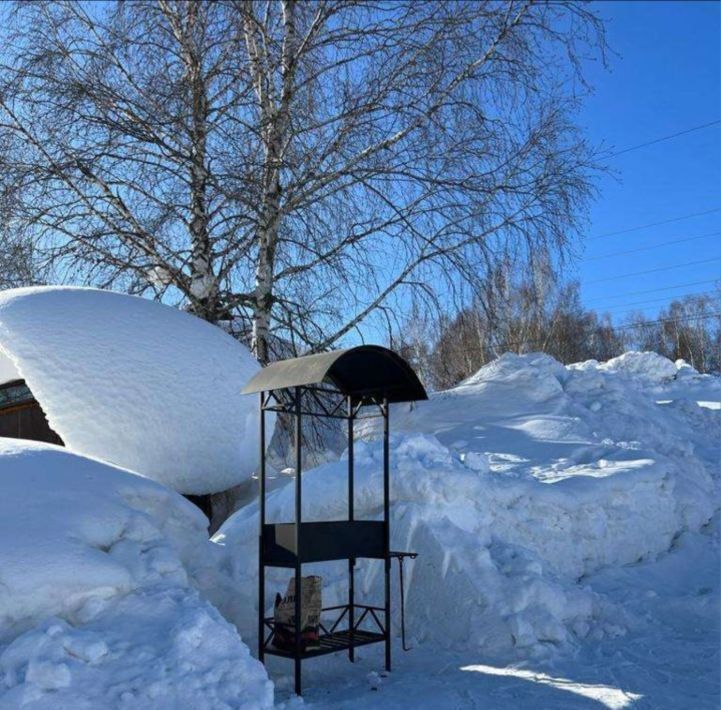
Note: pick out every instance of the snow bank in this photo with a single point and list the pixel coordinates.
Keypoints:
(136, 383)
(631, 438)
(95, 605)
(514, 487)
(468, 586)
(645, 367)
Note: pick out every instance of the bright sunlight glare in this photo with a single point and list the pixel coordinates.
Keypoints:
(613, 698)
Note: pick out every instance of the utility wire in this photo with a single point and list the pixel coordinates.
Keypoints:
(657, 290)
(629, 326)
(654, 224)
(659, 321)
(651, 246)
(665, 138)
(653, 300)
(653, 271)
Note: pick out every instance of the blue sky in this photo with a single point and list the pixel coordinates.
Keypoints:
(666, 80)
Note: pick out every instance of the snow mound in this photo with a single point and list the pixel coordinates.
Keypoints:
(514, 487)
(648, 367)
(136, 383)
(96, 609)
(469, 586)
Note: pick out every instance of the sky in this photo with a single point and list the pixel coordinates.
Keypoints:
(665, 79)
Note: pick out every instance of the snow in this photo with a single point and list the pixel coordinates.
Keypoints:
(521, 488)
(645, 367)
(8, 371)
(136, 383)
(566, 518)
(97, 608)
(668, 659)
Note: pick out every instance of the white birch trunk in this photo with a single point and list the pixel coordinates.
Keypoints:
(277, 114)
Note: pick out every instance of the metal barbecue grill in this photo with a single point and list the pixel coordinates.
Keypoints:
(353, 384)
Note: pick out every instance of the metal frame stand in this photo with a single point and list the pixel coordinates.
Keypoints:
(314, 542)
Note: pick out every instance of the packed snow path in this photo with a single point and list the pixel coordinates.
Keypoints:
(669, 658)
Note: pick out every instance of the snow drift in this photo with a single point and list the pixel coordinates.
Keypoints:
(514, 487)
(96, 609)
(136, 383)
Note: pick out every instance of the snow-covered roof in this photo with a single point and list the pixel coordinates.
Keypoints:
(135, 383)
(8, 371)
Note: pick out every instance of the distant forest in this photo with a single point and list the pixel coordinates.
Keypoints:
(523, 317)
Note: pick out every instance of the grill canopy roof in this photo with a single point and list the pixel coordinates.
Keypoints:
(363, 371)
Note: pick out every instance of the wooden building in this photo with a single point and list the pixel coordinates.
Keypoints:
(21, 416)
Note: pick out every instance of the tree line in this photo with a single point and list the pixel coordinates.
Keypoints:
(523, 317)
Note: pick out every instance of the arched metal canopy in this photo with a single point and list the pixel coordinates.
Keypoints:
(363, 371)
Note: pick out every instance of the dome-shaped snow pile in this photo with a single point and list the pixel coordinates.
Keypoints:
(96, 609)
(646, 367)
(136, 383)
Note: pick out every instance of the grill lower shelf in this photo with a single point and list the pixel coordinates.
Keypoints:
(330, 643)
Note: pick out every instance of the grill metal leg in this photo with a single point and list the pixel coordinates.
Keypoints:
(261, 607)
(388, 613)
(351, 608)
(387, 526)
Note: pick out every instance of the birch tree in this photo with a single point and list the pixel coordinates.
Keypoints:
(16, 264)
(689, 329)
(17, 258)
(294, 170)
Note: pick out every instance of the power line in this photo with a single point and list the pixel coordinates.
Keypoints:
(653, 300)
(653, 271)
(654, 224)
(662, 288)
(652, 246)
(665, 138)
(543, 341)
(659, 321)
